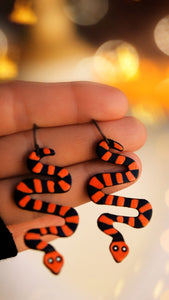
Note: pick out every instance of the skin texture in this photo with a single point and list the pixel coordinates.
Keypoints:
(63, 111)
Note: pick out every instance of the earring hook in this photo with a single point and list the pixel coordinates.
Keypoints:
(101, 132)
(35, 139)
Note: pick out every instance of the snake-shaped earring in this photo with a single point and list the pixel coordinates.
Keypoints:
(58, 181)
(98, 182)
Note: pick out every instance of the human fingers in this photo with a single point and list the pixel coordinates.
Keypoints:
(76, 196)
(18, 230)
(72, 144)
(57, 104)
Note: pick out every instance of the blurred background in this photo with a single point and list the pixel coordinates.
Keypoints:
(123, 43)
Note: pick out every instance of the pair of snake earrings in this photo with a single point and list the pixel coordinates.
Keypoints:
(58, 180)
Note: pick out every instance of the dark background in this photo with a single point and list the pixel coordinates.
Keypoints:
(129, 20)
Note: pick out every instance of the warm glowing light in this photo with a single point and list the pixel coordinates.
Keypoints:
(8, 69)
(165, 296)
(167, 195)
(137, 266)
(84, 69)
(162, 146)
(142, 93)
(164, 240)
(158, 289)
(147, 112)
(162, 92)
(86, 12)
(127, 61)
(23, 13)
(119, 287)
(161, 35)
(167, 269)
(116, 61)
(144, 81)
(3, 44)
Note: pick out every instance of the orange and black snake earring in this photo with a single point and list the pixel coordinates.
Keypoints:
(98, 182)
(56, 180)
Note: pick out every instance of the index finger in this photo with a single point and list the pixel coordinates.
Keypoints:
(57, 104)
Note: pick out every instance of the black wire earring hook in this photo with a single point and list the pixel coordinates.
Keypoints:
(35, 139)
(101, 132)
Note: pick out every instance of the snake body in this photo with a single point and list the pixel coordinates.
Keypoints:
(58, 181)
(118, 248)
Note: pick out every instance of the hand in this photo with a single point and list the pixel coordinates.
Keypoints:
(63, 111)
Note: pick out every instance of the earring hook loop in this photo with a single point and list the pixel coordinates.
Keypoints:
(35, 139)
(101, 132)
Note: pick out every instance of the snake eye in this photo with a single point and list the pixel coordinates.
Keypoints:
(58, 258)
(119, 250)
(115, 248)
(124, 249)
(50, 260)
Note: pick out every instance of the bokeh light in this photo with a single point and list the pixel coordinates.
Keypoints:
(161, 35)
(119, 287)
(3, 44)
(162, 92)
(167, 268)
(164, 240)
(86, 12)
(145, 112)
(165, 295)
(55, 49)
(22, 13)
(116, 61)
(158, 289)
(162, 146)
(167, 192)
(145, 99)
(8, 68)
(137, 266)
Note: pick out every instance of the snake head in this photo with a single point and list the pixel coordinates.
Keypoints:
(119, 250)
(54, 261)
